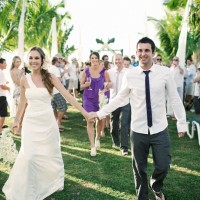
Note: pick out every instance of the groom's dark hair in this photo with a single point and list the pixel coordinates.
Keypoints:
(2, 60)
(147, 40)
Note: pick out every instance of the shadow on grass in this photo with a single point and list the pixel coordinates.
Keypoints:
(73, 189)
(106, 169)
(109, 175)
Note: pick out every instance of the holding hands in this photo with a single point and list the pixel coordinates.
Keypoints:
(92, 116)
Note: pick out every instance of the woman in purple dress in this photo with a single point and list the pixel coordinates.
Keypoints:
(92, 81)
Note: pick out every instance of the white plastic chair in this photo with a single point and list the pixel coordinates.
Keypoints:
(194, 127)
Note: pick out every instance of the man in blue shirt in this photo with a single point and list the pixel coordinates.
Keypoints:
(134, 62)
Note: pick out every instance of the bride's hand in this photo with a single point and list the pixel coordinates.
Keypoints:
(15, 126)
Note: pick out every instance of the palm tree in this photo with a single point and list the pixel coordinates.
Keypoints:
(168, 33)
(38, 24)
(176, 4)
(169, 29)
(38, 18)
(194, 30)
(8, 27)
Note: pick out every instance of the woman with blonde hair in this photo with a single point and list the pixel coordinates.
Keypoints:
(16, 74)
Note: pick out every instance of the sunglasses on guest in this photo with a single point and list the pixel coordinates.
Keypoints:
(159, 59)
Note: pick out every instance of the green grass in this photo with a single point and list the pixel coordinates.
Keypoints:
(109, 175)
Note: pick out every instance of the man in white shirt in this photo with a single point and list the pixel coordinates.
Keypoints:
(121, 115)
(127, 62)
(3, 89)
(189, 87)
(147, 86)
(58, 102)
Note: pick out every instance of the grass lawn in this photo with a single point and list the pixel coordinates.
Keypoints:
(109, 175)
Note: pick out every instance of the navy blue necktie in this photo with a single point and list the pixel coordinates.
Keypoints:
(148, 99)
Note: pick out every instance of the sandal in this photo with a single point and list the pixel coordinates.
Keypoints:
(61, 129)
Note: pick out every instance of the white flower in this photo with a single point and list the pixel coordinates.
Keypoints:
(103, 99)
(8, 151)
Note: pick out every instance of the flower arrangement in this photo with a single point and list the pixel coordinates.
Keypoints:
(8, 151)
(103, 99)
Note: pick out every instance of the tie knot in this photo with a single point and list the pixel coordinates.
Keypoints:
(146, 72)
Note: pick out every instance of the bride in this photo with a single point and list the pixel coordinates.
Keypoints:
(38, 170)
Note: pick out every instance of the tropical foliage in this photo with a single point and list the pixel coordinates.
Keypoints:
(38, 19)
(168, 32)
(8, 26)
(169, 29)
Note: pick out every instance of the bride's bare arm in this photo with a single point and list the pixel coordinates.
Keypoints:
(65, 93)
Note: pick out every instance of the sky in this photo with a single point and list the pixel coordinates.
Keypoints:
(104, 19)
(125, 20)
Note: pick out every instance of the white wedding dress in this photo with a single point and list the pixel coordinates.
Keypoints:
(38, 170)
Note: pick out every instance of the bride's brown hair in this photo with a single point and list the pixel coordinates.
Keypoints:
(46, 77)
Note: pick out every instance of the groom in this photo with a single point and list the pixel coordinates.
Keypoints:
(147, 85)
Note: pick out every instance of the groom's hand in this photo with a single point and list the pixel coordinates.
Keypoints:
(92, 116)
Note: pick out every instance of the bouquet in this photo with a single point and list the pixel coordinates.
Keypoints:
(103, 99)
(8, 151)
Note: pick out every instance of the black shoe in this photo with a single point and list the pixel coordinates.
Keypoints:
(124, 152)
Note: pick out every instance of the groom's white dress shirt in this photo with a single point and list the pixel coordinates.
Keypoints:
(133, 86)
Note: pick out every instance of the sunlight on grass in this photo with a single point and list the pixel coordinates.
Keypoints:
(179, 169)
(106, 190)
(185, 170)
(75, 148)
(110, 151)
(108, 176)
(79, 157)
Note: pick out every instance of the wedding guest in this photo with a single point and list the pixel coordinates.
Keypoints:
(127, 62)
(74, 73)
(16, 73)
(3, 89)
(147, 86)
(134, 62)
(177, 73)
(38, 170)
(189, 85)
(119, 118)
(58, 102)
(92, 81)
(159, 59)
(196, 93)
(105, 58)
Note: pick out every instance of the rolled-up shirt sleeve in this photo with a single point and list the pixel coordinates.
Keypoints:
(117, 101)
(177, 105)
